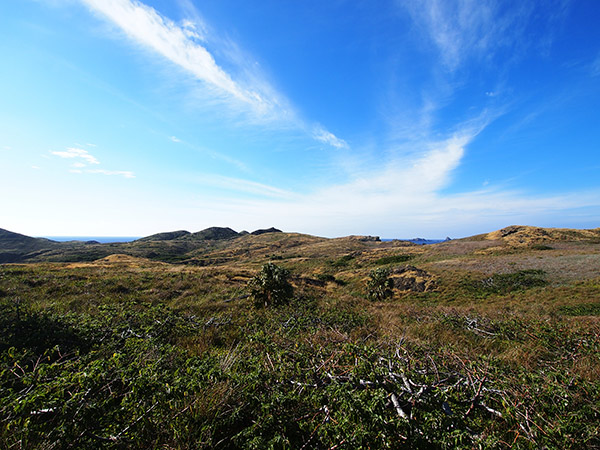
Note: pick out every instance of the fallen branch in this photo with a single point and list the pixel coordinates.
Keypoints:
(399, 409)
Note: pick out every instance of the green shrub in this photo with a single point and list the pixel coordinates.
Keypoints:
(393, 259)
(342, 261)
(585, 309)
(271, 286)
(541, 247)
(379, 286)
(503, 283)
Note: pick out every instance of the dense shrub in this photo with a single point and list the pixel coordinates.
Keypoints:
(379, 286)
(271, 286)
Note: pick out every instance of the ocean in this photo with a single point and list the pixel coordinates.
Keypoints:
(419, 241)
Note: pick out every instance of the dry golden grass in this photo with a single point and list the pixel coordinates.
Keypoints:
(519, 236)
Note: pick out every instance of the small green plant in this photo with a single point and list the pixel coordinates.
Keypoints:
(541, 247)
(585, 309)
(393, 259)
(379, 286)
(503, 283)
(342, 261)
(271, 286)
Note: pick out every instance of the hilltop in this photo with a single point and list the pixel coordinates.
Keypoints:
(217, 245)
(166, 246)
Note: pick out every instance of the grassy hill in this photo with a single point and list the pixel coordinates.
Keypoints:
(491, 341)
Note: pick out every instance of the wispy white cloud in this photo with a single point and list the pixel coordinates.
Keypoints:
(121, 173)
(245, 186)
(182, 45)
(461, 29)
(72, 152)
(395, 212)
(322, 135)
(236, 80)
(595, 67)
(403, 186)
(84, 160)
(403, 197)
(175, 139)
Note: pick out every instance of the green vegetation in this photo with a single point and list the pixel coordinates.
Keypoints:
(132, 353)
(541, 247)
(508, 282)
(585, 309)
(393, 259)
(271, 287)
(379, 286)
(343, 261)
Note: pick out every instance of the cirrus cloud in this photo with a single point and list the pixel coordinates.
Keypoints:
(72, 152)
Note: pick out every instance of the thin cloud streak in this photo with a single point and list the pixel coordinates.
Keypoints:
(79, 166)
(402, 199)
(185, 46)
(144, 25)
(245, 186)
(461, 29)
(322, 135)
(77, 153)
(595, 67)
(122, 173)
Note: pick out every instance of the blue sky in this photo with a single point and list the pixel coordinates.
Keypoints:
(393, 118)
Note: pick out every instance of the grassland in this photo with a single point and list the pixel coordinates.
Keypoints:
(487, 342)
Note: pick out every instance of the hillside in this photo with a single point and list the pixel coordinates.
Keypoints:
(491, 341)
(174, 246)
(16, 247)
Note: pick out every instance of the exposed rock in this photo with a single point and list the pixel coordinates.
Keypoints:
(267, 230)
(365, 238)
(411, 278)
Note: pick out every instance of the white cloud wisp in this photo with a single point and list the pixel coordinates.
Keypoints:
(464, 28)
(71, 153)
(185, 45)
(84, 158)
(404, 198)
(145, 26)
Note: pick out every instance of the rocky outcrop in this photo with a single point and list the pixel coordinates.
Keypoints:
(413, 279)
(267, 230)
(365, 238)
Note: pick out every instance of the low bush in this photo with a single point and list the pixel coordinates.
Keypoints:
(271, 286)
(503, 283)
(379, 286)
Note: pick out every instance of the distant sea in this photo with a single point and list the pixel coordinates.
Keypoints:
(418, 241)
(101, 239)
